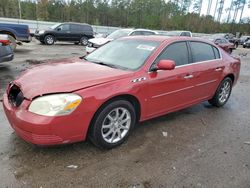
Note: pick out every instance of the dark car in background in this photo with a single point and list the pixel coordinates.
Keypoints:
(68, 32)
(6, 52)
(225, 45)
(246, 44)
(243, 39)
(17, 33)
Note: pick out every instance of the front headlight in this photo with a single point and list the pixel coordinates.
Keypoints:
(55, 105)
(41, 32)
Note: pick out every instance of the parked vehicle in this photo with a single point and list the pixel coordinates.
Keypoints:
(225, 45)
(178, 33)
(246, 44)
(98, 42)
(17, 33)
(243, 39)
(104, 94)
(69, 32)
(229, 36)
(6, 52)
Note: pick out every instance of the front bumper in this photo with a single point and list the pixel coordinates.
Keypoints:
(43, 130)
(39, 37)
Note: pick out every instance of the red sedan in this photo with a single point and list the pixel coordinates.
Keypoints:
(105, 94)
(225, 45)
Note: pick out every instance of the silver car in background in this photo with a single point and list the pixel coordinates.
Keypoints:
(6, 52)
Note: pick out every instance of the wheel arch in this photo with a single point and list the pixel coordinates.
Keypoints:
(8, 33)
(231, 76)
(130, 98)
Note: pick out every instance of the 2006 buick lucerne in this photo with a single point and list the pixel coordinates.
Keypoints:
(105, 94)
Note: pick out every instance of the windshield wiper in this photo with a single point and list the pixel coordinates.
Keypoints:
(105, 64)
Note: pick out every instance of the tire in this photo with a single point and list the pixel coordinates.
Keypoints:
(13, 42)
(105, 128)
(49, 39)
(223, 93)
(84, 41)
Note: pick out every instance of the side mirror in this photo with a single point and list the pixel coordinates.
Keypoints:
(58, 29)
(165, 65)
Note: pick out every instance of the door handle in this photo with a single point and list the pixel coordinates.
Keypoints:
(188, 76)
(218, 69)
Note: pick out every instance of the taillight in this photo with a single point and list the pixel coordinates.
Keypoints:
(5, 42)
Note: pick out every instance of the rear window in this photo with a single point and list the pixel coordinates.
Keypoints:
(81, 28)
(202, 51)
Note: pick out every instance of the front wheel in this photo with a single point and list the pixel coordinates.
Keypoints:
(222, 93)
(113, 124)
(49, 39)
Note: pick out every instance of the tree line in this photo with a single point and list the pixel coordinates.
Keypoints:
(152, 14)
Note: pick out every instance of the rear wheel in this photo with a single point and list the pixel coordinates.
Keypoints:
(222, 93)
(84, 41)
(113, 124)
(49, 39)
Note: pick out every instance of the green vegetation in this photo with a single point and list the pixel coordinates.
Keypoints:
(152, 14)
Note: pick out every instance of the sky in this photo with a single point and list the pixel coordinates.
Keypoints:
(227, 3)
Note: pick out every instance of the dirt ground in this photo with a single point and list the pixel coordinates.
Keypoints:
(201, 146)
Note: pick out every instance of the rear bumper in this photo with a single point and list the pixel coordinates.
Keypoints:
(42, 130)
(7, 58)
(25, 39)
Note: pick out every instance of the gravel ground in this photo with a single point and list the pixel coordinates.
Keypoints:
(201, 146)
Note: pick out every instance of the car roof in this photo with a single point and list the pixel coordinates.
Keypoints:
(75, 23)
(162, 38)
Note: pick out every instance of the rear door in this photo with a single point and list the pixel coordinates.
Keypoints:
(171, 90)
(208, 68)
(76, 31)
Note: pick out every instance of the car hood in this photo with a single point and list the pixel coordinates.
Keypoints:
(66, 75)
(100, 41)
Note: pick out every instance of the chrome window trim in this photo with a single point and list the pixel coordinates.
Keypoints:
(199, 62)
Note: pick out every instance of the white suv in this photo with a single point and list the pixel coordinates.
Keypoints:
(97, 42)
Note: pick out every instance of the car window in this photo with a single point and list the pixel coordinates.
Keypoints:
(177, 52)
(77, 28)
(147, 33)
(201, 51)
(216, 53)
(223, 41)
(136, 33)
(63, 27)
(185, 34)
(218, 41)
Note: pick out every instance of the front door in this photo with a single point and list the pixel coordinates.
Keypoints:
(63, 32)
(173, 89)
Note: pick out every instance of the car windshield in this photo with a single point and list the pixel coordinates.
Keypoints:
(118, 34)
(123, 54)
(54, 26)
